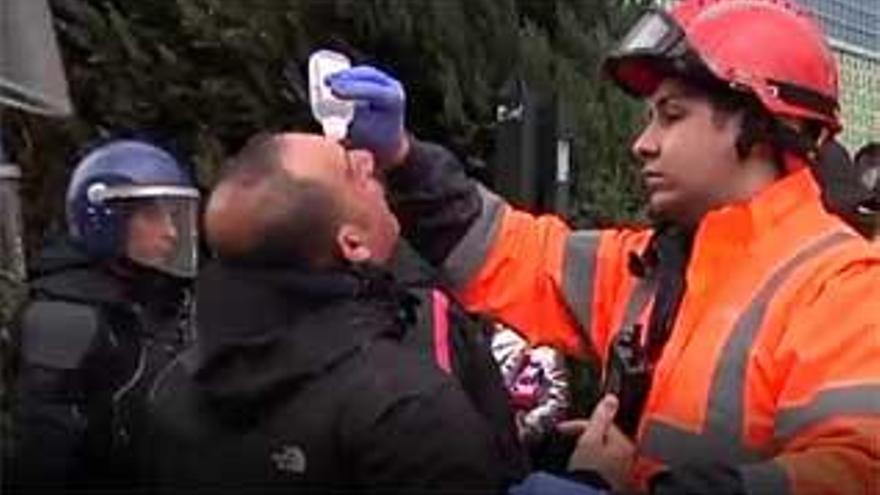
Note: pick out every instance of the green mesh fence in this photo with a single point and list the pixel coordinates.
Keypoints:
(860, 102)
(854, 28)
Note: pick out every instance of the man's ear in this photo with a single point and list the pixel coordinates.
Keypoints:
(352, 243)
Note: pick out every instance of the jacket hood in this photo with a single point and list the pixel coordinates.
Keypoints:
(262, 331)
(64, 271)
(57, 255)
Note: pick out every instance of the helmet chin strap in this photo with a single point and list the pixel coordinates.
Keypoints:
(795, 141)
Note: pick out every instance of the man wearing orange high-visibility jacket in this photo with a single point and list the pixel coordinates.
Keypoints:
(736, 333)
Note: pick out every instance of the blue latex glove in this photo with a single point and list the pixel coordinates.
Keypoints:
(380, 106)
(541, 483)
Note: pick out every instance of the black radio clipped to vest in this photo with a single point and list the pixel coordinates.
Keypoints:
(631, 358)
(628, 376)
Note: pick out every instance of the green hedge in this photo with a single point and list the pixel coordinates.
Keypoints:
(208, 73)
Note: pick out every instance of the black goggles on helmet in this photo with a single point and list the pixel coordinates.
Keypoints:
(655, 47)
(656, 34)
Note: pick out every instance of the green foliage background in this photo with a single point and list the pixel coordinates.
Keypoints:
(209, 73)
(206, 74)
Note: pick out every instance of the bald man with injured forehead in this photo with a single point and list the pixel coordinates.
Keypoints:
(300, 200)
(309, 372)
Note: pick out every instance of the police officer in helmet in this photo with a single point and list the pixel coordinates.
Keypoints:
(109, 307)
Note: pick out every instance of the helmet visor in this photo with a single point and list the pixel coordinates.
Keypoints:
(161, 227)
(653, 48)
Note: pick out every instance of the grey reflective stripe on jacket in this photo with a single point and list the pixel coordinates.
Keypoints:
(852, 400)
(579, 258)
(722, 435)
(579, 276)
(471, 252)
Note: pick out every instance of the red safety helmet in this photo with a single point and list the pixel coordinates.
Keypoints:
(773, 49)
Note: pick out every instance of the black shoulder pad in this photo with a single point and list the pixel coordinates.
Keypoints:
(57, 334)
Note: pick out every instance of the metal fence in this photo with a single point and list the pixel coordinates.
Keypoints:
(854, 29)
(860, 88)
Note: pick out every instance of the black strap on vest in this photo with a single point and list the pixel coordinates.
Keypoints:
(673, 248)
(629, 367)
(661, 271)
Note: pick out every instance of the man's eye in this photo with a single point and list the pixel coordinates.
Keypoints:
(668, 116)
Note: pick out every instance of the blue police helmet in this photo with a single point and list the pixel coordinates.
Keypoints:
(118, 170)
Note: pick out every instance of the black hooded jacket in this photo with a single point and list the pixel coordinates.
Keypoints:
(302, 381)
(90, 341)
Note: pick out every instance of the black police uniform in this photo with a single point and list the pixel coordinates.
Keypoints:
(91, 341)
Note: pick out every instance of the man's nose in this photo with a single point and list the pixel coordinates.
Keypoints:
(646, 144)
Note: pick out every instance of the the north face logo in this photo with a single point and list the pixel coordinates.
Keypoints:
(290, 459)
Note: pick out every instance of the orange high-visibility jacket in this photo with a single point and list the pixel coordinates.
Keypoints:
(773, 363)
